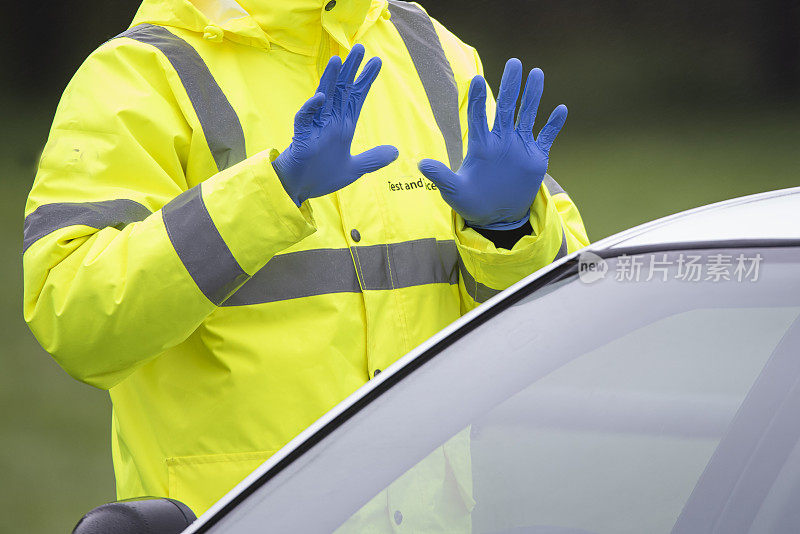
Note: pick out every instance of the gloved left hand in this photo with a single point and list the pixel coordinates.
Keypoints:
(504, 167)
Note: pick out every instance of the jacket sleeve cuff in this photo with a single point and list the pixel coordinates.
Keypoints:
(253, 213)
(499, 268)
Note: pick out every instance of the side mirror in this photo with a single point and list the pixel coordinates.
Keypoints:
(147, 515)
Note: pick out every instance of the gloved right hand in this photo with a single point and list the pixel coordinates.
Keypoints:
(504, 168)
(318, 161)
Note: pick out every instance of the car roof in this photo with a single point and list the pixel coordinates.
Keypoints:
(770, 216)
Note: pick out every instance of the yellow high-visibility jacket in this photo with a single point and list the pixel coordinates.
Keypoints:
(164, 261)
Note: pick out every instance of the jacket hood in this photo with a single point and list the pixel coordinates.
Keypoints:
(296, 25)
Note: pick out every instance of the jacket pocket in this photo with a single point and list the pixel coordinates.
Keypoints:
(200, 481)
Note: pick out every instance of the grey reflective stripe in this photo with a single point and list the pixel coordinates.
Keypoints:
(219, 121)
(435, 72)
(481, 293)
(201, 247)
(552, 186)
(299, 274)
(327, 271)
(563, 249)
(478, 292)
(103, 214)
(407, 264)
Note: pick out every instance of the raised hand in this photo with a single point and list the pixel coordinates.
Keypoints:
(318, 161)
(504, 167)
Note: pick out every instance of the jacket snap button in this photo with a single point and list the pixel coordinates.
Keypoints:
(212, 33)
(330, 5)
(398, 517)
(355, 235)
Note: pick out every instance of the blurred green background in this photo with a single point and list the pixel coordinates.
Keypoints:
(672, 105)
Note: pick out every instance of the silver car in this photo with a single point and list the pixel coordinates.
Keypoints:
(648, 384)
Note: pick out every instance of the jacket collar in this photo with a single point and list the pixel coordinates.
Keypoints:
(296, 25)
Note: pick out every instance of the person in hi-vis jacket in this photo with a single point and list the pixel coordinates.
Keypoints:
(238, 220)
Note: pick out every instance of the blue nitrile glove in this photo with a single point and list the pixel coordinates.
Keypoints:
(318, 160)
(504, 168)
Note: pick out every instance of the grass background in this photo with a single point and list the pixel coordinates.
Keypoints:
(55, 453)
(672, 105)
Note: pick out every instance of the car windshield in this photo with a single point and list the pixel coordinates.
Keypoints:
(653, 392)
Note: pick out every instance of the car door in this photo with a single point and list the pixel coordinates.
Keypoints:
(569, 407)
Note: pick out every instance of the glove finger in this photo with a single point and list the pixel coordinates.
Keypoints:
(328, 79)
(507, 96)
(551, 129)
(347, 74)
(440, 174)
(305, 117)
(374, 159)
(363, 84)
(530, 103)
(327, 85)
(478, 125)
(351, 64)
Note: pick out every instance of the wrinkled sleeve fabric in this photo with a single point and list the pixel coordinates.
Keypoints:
(122, 258)
(484, 269)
